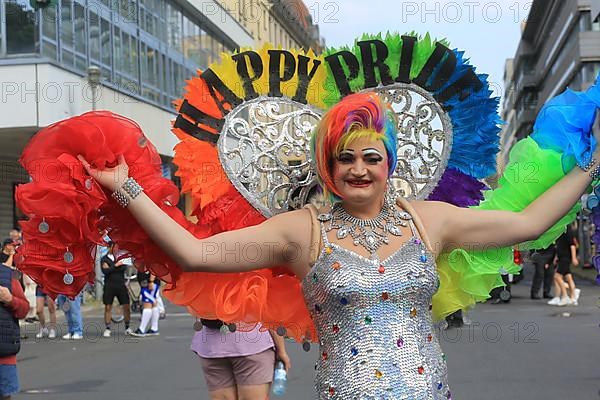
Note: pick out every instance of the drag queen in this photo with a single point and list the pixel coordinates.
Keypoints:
(357, 275)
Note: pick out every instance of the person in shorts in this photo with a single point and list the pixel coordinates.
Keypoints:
(114, 286)
(238, 365)
(566, 254)
(149, 287)
(41, 300)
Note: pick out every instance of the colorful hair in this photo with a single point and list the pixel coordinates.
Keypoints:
(355, 116)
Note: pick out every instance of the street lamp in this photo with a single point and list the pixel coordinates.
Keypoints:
(93, 77)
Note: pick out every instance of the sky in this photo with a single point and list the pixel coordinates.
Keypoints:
(488, 31)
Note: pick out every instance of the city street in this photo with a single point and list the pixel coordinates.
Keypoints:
(521, 350)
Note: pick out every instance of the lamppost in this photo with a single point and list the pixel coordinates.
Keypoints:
(93, 77)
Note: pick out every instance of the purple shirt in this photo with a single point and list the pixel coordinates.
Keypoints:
(211, 343)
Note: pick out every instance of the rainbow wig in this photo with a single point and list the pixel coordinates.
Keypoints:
(355, 116)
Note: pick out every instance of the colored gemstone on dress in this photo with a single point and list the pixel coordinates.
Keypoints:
(336, 265)
(385, 296)
(315, 277)
(331, 391)
(400, 342)
(421, 370)
(335, 329)
(324, 356)
(448, 395)
(429, 338)
(378, 374)
(430, 307)
(413, 312)
(440, 386)
(381, 269)
(328, 250)
(344, 301)
(368, 320)
(417, 241)
(423, 258)
(318, 308)
(444, 356)
(354, 351)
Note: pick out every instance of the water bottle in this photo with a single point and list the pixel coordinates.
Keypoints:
(279, 379)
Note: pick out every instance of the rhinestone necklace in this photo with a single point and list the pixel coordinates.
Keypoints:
(369, 233)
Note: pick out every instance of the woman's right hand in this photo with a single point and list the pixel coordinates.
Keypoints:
(110, 178)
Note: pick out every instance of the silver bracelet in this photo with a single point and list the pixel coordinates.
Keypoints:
(128, 191)
(588, 166)
(595, 173)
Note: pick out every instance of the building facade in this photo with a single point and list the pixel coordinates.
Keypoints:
(559, 48)
(143, 49)
(287, 23)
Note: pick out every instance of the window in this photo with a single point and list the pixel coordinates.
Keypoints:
(21, 31)
(49, 33)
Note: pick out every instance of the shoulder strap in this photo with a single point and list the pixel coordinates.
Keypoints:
(315, 236)
(402, 202)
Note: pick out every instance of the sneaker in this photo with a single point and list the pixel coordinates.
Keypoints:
(52, 334)
(128, 331)
(554, 301)
(564, 301)
(138, 333)
(577, 294)
(77, 336)
(67, 336)
(42, 333)
(106, 333)
(152, 333)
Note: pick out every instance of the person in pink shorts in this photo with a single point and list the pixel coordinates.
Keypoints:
(238, 365)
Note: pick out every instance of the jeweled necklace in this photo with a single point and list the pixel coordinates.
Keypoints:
(369, 233)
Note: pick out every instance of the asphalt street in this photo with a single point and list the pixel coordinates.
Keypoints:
(524, 349)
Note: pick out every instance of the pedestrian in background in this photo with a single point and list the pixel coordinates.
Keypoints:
(13, 306)
(543, 275)
(238, 365)
(41, 300)
(566, 254)
(114, 286)
(72, 310)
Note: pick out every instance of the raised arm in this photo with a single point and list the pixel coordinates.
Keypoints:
(278, 240)
(454, 227)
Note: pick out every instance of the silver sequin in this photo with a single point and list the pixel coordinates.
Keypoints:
(379, 342)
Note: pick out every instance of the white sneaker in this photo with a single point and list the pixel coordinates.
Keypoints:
(42, 333)
(564, 301)
(128, 331)
(67, 336)
(77, 336)
(106, 333)
(577, 294)
(554, 301)
(52, 334)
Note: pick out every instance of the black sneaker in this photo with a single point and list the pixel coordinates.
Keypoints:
(138, 333)
(152, 333)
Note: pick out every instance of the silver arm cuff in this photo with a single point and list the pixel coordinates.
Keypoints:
(128, 191)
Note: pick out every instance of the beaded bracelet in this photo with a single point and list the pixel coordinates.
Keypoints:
(128, 191)
(588, 166)
(595, 173)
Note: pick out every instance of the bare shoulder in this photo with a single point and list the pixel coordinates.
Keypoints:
(294, 225)
(428, 210)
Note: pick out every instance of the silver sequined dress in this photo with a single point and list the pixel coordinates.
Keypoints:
(377, 339)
